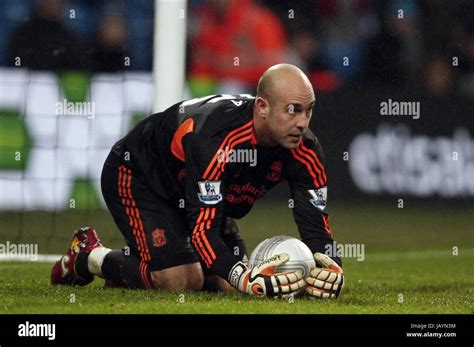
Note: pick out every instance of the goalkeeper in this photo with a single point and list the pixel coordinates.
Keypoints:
(176, 182)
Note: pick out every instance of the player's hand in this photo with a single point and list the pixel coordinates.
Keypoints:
(326, 280)
(261, 281)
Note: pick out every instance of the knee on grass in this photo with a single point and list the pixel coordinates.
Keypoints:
(188, 277)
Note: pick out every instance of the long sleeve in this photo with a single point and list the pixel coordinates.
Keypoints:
(204, 198)
(308, 185)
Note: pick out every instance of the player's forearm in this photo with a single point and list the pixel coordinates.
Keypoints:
(224, 264)
(212, 249)
(223, 260)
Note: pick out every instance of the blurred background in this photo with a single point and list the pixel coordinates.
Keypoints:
(395, 181)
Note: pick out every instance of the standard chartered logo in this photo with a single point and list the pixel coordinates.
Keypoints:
(393, 160)
(63, 148)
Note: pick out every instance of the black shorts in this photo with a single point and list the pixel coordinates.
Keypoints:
(153, 228)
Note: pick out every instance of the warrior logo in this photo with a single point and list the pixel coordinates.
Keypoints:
(275, 172)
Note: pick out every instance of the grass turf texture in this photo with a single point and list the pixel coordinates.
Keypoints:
(409, 266)
(430, 282)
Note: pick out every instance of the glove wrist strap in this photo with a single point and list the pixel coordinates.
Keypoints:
(236, 273)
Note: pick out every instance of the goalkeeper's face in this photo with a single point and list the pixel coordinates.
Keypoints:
(289, 115)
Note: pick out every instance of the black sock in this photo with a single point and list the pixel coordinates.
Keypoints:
(81, 266)
(126, 270)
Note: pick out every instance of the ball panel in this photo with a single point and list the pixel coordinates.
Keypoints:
(301, 257)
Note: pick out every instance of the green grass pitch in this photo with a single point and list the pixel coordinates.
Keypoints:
(410, 265)
(397, 282)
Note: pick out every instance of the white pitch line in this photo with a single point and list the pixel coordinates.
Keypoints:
(388, 256)
(40, 258)
(422, 254)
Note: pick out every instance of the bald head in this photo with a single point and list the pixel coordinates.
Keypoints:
(283, 106)
(280, 79)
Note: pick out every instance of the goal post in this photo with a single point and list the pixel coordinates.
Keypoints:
(51, 154)
(169, 50)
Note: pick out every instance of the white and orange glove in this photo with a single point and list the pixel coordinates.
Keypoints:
(326, 280)
(261, 281)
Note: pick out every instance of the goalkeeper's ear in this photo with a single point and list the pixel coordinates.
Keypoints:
(322, 260)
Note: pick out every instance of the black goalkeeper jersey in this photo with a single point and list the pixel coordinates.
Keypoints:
(202, 155)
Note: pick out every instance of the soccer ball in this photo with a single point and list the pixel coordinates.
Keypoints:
(301, 257)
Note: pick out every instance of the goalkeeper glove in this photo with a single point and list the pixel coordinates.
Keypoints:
(326, 280)
(261, 281)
